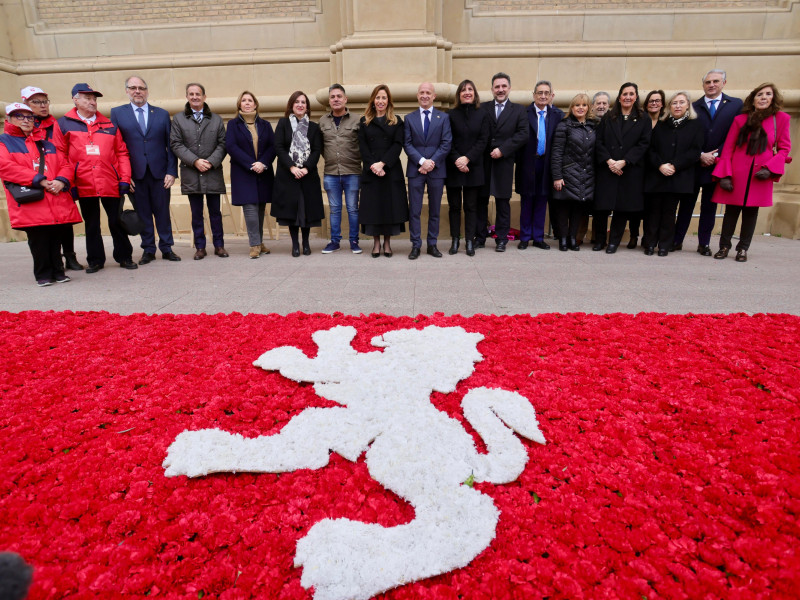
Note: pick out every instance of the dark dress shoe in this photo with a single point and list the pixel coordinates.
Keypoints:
(93, 268)
(376, 254)
(562, 244)
(147, 257)
(434, 251)
(171, 256)
(414, 254)
(387, 252)
(71, 262)
(501, 247)
(306, 250)
(741, 256)
(676, 247)
(663, 252)
(128, 264)
(200, 254)
(722, 253)
(598, 246)
(704, 250)
(523, 244)
(295, 251)
(649, 251)
(221, 252)
(632, 242)
(612, 248)
(479, 243)
(454, 246)
(470, 248)
(541, 245)
(573, 244)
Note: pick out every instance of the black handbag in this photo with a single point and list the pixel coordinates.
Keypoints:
(129, 219)
(24, 194)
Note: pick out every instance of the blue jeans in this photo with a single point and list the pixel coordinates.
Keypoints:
(334, 186)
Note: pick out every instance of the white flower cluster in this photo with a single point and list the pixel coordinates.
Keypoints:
(412, 449)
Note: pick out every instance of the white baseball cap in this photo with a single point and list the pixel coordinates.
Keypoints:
(16, 107)
(31, 91)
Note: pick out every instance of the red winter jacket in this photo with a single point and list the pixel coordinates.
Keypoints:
(19, 158)
(94, 174)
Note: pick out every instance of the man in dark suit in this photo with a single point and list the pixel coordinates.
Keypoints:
(145, 129)
(534, 181)
(508, 133)
(716, 112)
(427, 143)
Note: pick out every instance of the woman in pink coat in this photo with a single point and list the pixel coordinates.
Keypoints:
(755, 154)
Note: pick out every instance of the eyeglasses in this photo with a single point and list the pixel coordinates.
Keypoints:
(137, 88)
(39, 102)
(654, 101)
(23, 117)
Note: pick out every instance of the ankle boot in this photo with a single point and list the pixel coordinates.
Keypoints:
(573, 244)
(454, 246)
(562, 244)
(306, 246)
(632, 242)
(71, 262)
(470, 248)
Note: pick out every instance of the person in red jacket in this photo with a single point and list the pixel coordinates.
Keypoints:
(38, 101)
(101, 174)
(22, 148)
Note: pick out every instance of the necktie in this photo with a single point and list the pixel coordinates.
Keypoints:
(426, 123)
(140, 117)
(498, 110)
(712, 108)
(541, 135)
(198, 116)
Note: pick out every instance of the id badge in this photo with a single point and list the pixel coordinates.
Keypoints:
(92, 150)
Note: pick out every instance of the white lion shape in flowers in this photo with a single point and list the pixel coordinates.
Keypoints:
(413, 449)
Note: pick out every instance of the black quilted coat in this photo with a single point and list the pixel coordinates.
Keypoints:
(573, 159)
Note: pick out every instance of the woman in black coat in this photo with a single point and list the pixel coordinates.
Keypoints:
(383, 206)
(470, 128)
(297, 195)
(572, 167)
(674, 153)
(623, 138)
(250, 143)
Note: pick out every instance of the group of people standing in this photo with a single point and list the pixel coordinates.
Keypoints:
(619, 159)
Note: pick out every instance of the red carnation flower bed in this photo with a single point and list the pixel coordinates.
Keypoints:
(671, 468)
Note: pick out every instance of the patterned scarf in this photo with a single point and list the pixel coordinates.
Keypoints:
(300, 147)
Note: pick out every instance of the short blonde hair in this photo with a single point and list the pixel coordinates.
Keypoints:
(690, 113)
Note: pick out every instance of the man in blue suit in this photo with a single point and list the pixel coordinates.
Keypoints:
(427, 143)
(716, 112)
(534, 180)
(146, 129)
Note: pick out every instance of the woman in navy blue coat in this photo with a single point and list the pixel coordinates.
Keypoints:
(251, 144)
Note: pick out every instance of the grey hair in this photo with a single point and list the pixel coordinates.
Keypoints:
(137, 77)
(543, 82)
(720, 71)
(606, 94)
(689, 113)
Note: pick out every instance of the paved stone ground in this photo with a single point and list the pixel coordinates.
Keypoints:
(531, 281)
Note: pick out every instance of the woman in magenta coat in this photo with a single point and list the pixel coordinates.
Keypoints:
(753, 158)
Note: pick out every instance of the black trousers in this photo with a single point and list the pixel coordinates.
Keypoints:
(749, 219)
(618, 221)
(660, 219)
(95, 251)
(468, 198)
(600, 225)
(68, 239)
(568, 215)
(44, 242)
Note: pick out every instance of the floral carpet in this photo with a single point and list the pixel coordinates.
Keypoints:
(671, 468)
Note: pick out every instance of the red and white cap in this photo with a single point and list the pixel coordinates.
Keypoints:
(31, 91)
(16, 107)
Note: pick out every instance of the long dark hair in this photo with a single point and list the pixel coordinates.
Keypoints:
(752, 132)
(616, 110)
(290, 104)
(476, 102)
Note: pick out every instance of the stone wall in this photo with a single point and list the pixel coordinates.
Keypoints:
(484, 6)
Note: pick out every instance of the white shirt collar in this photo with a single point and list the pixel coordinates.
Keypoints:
(422, 111)
(538, 110)
(145, 107)
(717, 99)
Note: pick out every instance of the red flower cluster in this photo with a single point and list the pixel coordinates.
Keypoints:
(671, 468)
